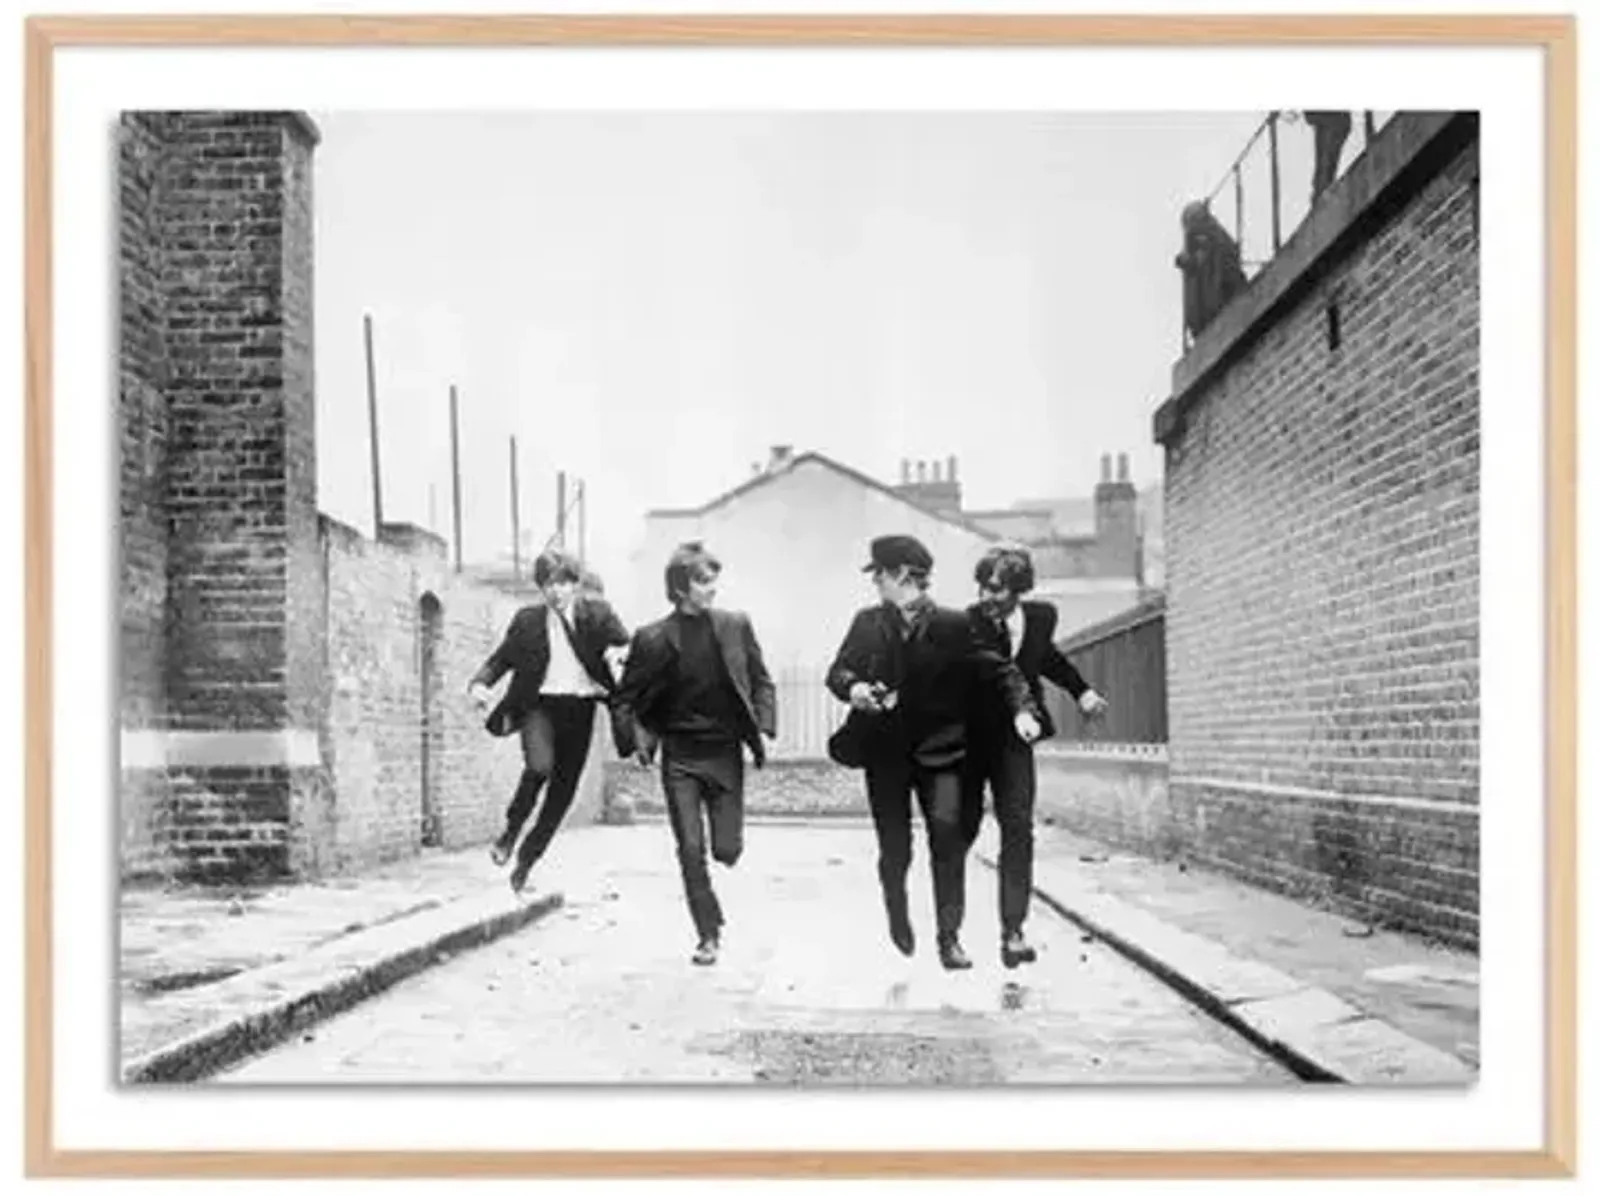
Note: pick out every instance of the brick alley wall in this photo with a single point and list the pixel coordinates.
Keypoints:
(1322, 552)
(215, 401)
(272, 660)
(143, 444)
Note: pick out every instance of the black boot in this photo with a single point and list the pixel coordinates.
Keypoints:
(952, 956)
(900, 932)
(1016, 950)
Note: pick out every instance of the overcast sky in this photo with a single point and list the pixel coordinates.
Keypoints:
(652, 300)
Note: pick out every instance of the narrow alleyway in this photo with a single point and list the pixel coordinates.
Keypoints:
(808, 991)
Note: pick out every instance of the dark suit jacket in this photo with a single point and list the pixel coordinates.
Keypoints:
(1038, 657)
(941, 673)
(647, 679)
(525, 653)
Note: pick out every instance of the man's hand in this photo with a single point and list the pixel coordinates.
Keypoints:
(479, 695)
(1091, 705)
(1027, 726)
(862, 697)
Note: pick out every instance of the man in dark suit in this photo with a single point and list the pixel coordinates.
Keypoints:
(912, 672)
(556, 654)
(1025, 633)
(696, 685)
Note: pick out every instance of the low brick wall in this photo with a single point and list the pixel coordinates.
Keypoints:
(1408, 863)
(816, 788)
(1116, 794)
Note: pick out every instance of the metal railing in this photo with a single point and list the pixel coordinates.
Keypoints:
(1267, 190)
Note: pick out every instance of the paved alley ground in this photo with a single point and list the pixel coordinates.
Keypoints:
(808, 990)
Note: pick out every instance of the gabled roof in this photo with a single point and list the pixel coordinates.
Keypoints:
(854, 475)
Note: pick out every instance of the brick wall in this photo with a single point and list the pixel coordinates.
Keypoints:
(273, 680)
(395, 615)
(142, 508)
(791, 788)
(1322, 567)
(1117, 794)
(215, 256)
(231, 279)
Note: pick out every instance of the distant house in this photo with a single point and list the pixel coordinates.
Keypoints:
(1094, 556)
(1073, 519)
(794, 536)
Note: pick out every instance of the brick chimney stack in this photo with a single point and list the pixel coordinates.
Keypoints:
(1116, 521)
(935, 488)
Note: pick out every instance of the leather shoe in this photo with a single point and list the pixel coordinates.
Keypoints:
(519, 877)
(900, 932)
(953, 957)
(706, 953)
(500, 852)
(1015, 950)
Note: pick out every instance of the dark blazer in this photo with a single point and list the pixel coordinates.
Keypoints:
(941, 672)
(639, 703)
(525, 653)
(1038, 657)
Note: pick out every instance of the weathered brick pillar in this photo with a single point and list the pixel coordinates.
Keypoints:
(240, 642)
(143, 507)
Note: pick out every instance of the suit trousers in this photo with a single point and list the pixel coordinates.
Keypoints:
(704, 787)
(890, 784)
(555, 747)
(1005, 764)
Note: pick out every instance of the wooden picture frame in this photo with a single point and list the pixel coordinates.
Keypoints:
(1554, 36)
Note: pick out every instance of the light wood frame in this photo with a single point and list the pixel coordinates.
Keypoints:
(1555, 35)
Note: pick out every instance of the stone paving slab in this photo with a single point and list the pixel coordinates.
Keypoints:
(262, 1007)
(1360, 1009)
(1424, 989)
(183, 948)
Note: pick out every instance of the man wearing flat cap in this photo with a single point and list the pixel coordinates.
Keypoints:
(912, 672)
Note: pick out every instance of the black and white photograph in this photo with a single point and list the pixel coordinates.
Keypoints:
(814, 599)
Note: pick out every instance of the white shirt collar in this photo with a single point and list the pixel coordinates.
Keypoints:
(1015, 622)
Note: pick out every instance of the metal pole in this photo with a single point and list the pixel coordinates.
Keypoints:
(1272, 150)
(372, 420)
(583, 517)
(1238, 208)
(561, 508)
(455, 471)
(1368, 126)
(516, 522)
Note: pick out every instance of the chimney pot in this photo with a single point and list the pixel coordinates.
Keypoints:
(936, 471)
(1105, 467)
(922, 471)
(950, 469)
(1122, 467)
(905, 470)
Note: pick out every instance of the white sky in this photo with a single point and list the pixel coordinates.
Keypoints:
(651, 300)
